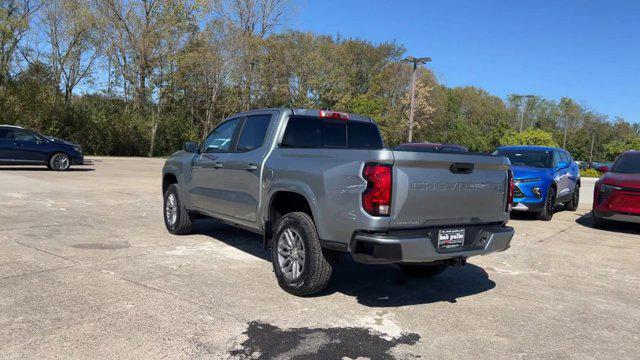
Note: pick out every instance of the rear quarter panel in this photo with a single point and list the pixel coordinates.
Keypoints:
(331, 181)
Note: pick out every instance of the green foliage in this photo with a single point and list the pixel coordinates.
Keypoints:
(528, 137)
(617, 147)
(182, 75)
(589, 173)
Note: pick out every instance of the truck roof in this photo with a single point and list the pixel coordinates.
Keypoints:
(304, 112)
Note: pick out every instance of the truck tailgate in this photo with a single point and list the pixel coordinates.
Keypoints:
(440, 189)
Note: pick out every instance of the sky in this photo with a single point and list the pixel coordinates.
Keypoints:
(588, 50)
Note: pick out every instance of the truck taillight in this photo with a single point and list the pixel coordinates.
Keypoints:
(510, 190)
(376, 199)
(326, 114)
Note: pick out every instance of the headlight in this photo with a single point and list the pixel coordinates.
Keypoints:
(78, 148)
(604, 188)
(529, 180)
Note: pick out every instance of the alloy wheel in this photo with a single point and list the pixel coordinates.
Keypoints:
(61, 162)
(291, 254)
(171, 209)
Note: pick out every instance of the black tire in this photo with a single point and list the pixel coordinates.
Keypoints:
(59, 162)
(423, 270)
(182, 222)
(316, 269)
(597, 221)
(547, 211)
(572, 205)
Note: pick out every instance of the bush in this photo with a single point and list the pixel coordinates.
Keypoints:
(589, 173)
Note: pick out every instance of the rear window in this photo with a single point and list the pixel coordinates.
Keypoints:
(313, 132)
(627, 164)
(364, 136)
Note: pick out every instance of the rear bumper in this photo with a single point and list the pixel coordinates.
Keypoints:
(418, 247)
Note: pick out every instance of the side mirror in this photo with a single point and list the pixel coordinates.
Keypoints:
(191, 146)
(603, 169)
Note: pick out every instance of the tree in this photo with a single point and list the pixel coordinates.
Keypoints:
(571, 115)
(142, 35)
(528, 137)
(15, 21)
(71, 34)
(202, 68)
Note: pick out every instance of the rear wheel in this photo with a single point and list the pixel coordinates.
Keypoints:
(572, 205)
(59, 162)
(176, 218)
(423, 270)
(298, 260)
(547, 211)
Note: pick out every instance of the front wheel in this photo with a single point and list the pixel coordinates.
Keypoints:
(177, 219)
(59, 162)
(572, 205)
(423, 270)
(298, 260)
(547, 211)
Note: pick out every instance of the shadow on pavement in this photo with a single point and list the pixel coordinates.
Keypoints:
(43, 168)
(371, 285)
(243, 240)
(612, 226)
(388, 286)
(531, 216)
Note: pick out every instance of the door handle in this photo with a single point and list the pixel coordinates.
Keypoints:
(217, 165)
(252, 167)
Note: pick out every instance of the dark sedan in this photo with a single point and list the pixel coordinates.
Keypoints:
(20, 146)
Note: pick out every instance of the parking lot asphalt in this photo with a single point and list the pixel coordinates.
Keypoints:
(87, 270)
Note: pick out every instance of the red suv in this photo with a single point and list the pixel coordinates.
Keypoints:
(617, 193)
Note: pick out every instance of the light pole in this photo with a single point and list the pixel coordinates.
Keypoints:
(415, 61)
(519, 97)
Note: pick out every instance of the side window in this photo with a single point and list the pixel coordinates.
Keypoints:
(564, 157)
(23, 135)
(220, 138)
(569, 158)
(253, 132)
(556, 158)
(6, 134)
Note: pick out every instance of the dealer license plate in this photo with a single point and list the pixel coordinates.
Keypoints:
(450, 238)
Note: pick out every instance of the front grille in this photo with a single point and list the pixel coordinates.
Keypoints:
(517, 193)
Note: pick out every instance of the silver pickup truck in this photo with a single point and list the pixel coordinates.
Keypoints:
(317, 184)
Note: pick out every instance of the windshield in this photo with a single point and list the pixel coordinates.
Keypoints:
(531, 158)
(627, 164)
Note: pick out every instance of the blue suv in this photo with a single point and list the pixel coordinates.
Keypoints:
(19, 146)
(543, 177)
